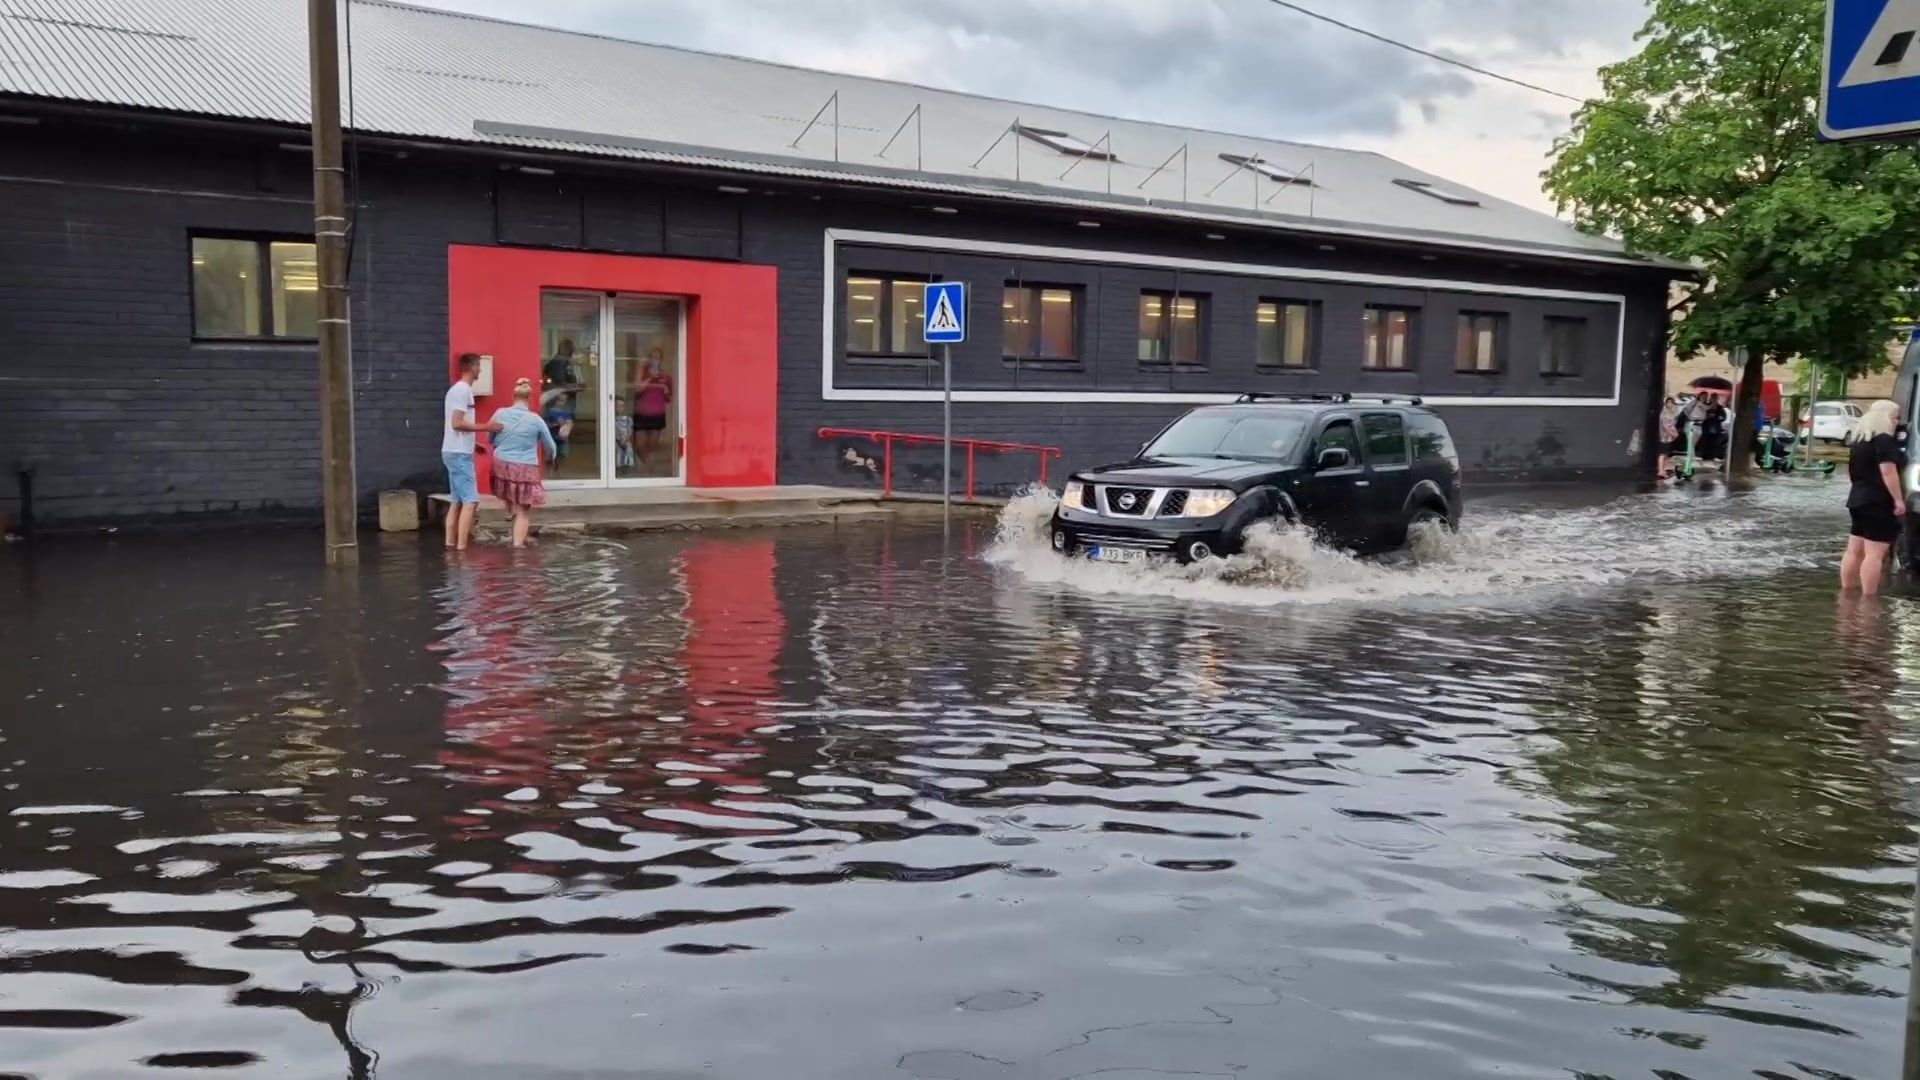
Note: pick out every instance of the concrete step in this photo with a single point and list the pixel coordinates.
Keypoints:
(578, 511)
(611, 524)
(697, 510)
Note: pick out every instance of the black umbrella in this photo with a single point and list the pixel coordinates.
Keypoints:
(1712, 382)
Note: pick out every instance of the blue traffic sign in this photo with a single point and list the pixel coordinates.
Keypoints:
(945, 313)
(1871, 84)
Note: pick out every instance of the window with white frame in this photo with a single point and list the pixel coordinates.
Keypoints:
(883, 315)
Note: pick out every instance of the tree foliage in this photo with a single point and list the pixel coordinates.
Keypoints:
(1704, 147)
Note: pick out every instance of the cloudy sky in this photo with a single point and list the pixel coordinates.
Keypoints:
(1243, 66)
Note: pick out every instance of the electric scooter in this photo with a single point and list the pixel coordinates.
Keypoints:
(1823, 468)
(1683, 470)
(1773, 458)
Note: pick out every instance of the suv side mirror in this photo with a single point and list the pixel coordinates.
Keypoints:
(1334, 457)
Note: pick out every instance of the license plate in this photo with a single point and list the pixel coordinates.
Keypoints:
(1116, 554)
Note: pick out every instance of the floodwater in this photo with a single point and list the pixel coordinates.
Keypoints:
(1611, 790)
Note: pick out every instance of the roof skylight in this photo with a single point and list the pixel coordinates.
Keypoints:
(1258, 164)
(1071, 145)
(1451, 195)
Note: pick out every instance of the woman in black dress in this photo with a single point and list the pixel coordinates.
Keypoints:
(1875, 501)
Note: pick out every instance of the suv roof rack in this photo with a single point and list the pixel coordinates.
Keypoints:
(1341, 398)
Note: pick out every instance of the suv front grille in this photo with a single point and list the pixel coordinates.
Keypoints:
(1174, 504)
(1130, 502)
(1148, 543)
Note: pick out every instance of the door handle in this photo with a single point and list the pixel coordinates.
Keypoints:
(1363, 483)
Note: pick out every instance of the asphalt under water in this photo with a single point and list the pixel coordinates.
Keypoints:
(1588, 791)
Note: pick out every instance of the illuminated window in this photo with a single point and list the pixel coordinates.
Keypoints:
(1172, 328)
(1388, 341)
(254, 288)
(883, 315)
(1040, 322)
(1286, 331)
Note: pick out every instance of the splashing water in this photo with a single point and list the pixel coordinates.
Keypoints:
(1669, 536)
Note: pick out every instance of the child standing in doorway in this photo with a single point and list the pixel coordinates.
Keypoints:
(623, 434)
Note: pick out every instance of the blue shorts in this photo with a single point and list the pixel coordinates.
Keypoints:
(460, 480)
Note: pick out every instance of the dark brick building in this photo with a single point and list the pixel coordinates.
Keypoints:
(702, 306)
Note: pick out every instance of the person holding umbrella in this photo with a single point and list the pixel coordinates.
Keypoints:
(1703, 424)
(1714, 432)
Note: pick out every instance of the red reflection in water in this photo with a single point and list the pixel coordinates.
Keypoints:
(511, 722)
(735, 630)
(499, 658)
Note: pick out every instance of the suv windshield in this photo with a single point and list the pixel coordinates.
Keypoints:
(1265, 436)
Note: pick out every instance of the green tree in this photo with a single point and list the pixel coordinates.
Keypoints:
(1704, 147)
(1833, 383)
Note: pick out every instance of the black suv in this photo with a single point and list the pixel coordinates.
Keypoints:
(1361, 471)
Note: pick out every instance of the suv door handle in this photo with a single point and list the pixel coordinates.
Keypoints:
(1362, 483)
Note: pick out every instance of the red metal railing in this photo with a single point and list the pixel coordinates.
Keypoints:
(886, 439)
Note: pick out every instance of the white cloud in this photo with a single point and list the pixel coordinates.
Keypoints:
(1235, 65)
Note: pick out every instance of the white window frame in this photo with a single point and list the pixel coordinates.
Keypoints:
(832, 238)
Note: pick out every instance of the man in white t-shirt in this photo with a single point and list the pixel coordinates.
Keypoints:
(457, 449)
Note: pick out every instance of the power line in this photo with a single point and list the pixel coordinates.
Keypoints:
(1416, 50)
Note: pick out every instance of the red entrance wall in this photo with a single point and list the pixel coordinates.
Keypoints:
(493, 308)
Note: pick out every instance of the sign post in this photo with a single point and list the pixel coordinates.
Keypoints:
(1870, 90)
(1871, 76)
(944, 311)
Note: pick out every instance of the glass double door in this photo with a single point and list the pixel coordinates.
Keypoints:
(611, 373)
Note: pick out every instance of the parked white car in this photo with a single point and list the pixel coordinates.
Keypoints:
(1830, 421)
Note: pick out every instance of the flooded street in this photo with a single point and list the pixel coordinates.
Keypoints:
(1610, 790)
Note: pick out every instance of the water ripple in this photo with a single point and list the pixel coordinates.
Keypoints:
(1598, 790)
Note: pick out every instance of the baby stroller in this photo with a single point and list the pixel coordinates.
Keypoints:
(1773, 450)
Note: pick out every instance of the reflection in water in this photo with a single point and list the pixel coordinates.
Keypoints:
(847, 804)
(1674, 814)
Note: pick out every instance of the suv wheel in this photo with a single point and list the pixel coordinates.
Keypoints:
(1427, 515)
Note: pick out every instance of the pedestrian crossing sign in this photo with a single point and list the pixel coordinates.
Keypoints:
(945, 311)
(1872, 84)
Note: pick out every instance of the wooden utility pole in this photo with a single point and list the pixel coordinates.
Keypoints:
(330, 250)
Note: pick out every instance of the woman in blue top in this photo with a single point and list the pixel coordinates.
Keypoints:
(516, 460)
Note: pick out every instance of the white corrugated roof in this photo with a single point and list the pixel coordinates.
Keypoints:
(445, 76)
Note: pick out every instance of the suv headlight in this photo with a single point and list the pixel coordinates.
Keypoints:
(1207, 502)
(1075, 496)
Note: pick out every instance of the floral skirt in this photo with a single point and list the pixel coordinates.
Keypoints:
(517, 484)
